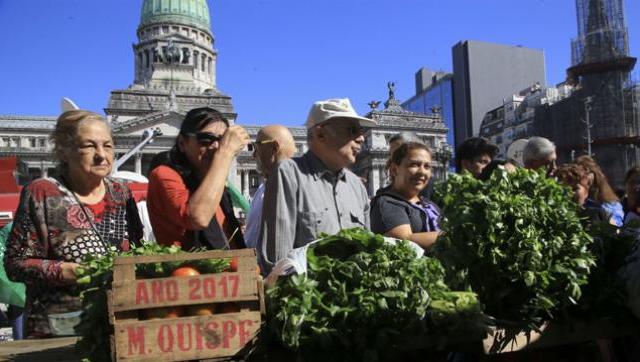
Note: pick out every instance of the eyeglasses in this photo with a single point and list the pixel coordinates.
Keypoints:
(254, 145)
(352, 130)
(205, 139)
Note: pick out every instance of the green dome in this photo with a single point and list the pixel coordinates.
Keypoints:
(188, 12)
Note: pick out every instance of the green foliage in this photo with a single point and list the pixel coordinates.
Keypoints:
(95, 277)
(517, 241)
(360, 298)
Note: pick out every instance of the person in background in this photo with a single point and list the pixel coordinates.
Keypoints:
(273, 144)
(600, 191)
(474, 154)
(577, 177)
(12, 294)
(60, 221)
(632, 188)
(400, 211)
(187, 200)
(540, 153)
(316, 193)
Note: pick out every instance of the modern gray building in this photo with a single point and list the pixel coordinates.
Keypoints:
(485, 73)
(434, 92)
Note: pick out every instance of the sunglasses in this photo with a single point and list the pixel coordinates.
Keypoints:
(254, 145)
(205, 139)
(353, 130)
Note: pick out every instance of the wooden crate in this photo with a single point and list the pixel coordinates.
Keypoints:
(216, 336)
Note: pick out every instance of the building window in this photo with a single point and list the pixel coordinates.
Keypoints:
(42, 142)
(204, 60)
(32, 142)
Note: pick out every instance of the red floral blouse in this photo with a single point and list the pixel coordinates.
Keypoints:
(51, 227)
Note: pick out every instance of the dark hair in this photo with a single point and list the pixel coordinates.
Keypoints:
(633, 171)
(403, 150)
(198, 118)
(472, 148)
(195, 120)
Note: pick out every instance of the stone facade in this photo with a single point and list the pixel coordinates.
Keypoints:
(174, 72)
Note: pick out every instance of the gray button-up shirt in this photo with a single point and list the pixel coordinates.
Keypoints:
(302, 199)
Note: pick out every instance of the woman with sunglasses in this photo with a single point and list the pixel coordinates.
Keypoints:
(188, 202)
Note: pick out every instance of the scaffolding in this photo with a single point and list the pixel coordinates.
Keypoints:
(602, 32)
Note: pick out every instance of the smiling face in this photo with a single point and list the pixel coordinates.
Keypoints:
(412, 175)
(90, 157)
(343, 138)
(199, 148)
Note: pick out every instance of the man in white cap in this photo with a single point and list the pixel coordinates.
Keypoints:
(316, 192)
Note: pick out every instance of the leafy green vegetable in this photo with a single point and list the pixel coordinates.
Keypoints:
(517, 241)
(361, 298)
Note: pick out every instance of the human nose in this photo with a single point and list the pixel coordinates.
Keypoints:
(101, 153)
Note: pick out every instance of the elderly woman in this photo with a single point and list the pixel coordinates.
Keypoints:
(62, 220)
(401, 212)
(188, 202)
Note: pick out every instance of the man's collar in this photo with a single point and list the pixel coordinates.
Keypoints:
(319, 169)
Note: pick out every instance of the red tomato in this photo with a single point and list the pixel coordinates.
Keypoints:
(185, 271)
(233, 265)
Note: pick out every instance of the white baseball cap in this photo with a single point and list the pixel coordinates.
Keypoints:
(322, 111)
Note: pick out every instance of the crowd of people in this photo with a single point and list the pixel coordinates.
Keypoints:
(83, 211)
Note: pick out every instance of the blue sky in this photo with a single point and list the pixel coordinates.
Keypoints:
(275, 56)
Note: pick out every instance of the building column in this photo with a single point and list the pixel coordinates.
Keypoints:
(139, 163)
(381, 176)
(245, 183)
(374, 183)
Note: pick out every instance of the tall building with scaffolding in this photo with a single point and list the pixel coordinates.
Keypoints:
(601, 116)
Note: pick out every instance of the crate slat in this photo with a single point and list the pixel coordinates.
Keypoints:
(205, 288)
(187, 338)
(250, 254)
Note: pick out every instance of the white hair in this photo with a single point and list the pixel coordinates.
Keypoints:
(537, 148)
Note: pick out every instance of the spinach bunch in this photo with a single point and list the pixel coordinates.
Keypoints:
(517, 241)
(360, 298)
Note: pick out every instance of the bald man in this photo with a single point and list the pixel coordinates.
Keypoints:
(273, 144)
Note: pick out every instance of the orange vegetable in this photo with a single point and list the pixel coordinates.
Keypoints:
(233, 265)
(185, 271)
